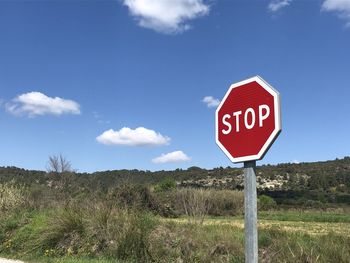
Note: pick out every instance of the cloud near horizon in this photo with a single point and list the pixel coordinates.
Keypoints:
(172, 157)
(276, 5)
(341, 7)
(36, 103)
(211, 102)
(166, 16)
(138, 137)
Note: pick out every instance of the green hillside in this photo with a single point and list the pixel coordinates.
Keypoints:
(288, 183)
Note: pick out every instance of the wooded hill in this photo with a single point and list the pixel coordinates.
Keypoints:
(311, 183)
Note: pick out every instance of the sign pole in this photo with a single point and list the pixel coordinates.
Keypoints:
(250, 213)
(247, 122)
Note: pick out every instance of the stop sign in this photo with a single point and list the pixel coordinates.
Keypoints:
(248, 120)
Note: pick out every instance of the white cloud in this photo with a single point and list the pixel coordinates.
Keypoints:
(341, 7)
(129, 137)
(36, 103)
(276, 5)
(295, 162)
(173, 157)
(166, 16)
(211, 101)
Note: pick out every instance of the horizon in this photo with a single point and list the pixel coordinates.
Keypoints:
(181, 169)
(112, 85)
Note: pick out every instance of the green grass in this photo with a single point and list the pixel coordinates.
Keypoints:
(82, 260)
(32, 259)
(281, 238)
(297, 216)
(19, 230)
(225, 243)
(305, 216)
(70, 235)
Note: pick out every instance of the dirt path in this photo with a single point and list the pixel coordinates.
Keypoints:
(4, 260)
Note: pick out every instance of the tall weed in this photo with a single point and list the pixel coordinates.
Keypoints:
(195, 203)
(12, 196)
(226, 203)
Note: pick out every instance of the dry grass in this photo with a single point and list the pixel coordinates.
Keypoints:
(196, 204)
(312, 228)
(12, 196)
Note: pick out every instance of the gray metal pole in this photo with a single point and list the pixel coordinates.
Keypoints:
(250, 214)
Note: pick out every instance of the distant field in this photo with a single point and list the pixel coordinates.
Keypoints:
(307, 227)
(342, 216)
(306, 216)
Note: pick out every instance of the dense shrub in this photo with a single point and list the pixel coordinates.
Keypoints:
(167, 204)
(132, 237)
(226, 202)
(197, 203)
(165, 185)
(266, 203)
(133, 196)
(62, 232)
(94, 230)
(118, 233)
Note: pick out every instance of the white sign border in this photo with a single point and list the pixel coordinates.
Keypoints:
(278, 121)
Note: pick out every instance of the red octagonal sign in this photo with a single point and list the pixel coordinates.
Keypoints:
(248, 120)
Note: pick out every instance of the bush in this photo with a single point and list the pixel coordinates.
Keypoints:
(97, 229)
(166, 203)
(197, 203)
(226, 203)
(62, 232)
(133, 196)
(266, 203)
(165, 185)
(132, 238)
(118, 233)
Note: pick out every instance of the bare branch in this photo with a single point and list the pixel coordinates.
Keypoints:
(53, 164)
(59, 164)
(65, 165)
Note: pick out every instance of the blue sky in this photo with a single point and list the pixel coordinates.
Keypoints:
(120, 84)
